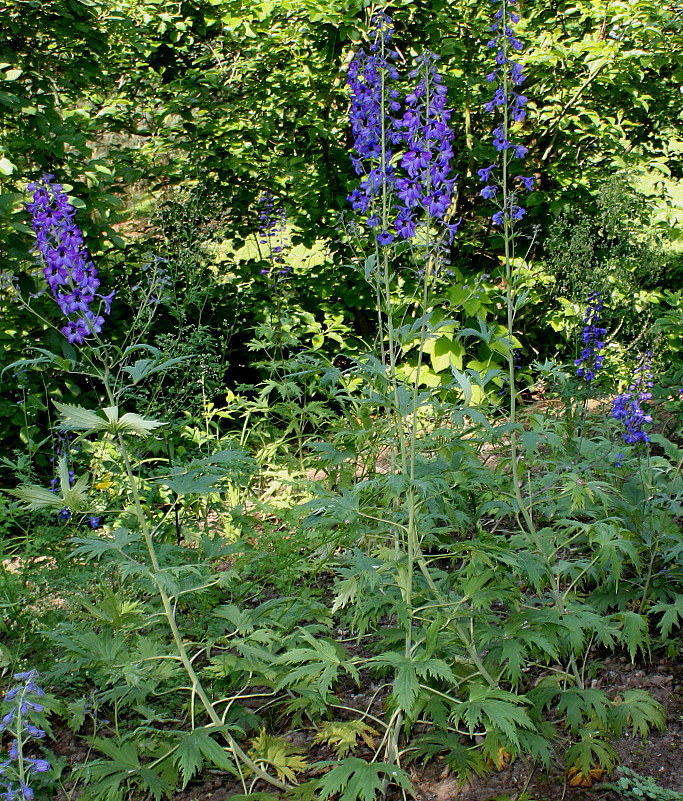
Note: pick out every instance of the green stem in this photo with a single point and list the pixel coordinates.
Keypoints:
(509, 242)
(197, 687)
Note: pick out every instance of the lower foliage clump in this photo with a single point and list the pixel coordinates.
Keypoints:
(276, 652)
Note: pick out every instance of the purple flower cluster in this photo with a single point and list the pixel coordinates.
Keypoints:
(68, 270)
(628, 408)
(511, 104)
(273, 231)
(427, 160)
(16, 769)
(374, 130)
(419, 141)
(590, 361)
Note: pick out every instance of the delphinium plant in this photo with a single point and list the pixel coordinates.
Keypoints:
(402, 155)
(536, 536)
(73, 281)
(453, 659)
(21, 707)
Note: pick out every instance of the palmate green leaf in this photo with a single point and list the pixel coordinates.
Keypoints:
(96, 547)
(637, 710)
(124, 755)
(523, 642)
(191, 483)
(241, 619)
(146, 367)
(493, 709)
(343, 735)
(634, 632)
(196, 748)
(582, 706)
(673, 452)
(276, 752)
(34, 497)
(154, 783)
(47, 358)
(580, 622)
(108, 779)
(611, 544)
(92, 646)
(591, 751)
(129, 423)
(105, 784)
(308, 791)
(75, 497)
(317, 666)
(515, 652)
(673, 614)
(354, 778)
(436, 668)
(75, 418)
(463, 760)
(405, 686)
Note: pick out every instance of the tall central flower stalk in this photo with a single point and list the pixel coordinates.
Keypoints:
(403, 149)
(504, 187)
(508, 108)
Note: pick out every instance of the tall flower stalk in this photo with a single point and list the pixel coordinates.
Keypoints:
(504, 187)
(508, 107)
(403, 150)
